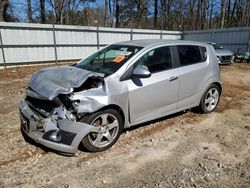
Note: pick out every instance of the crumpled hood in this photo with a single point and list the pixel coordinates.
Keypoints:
(223, 52)
(52, 81)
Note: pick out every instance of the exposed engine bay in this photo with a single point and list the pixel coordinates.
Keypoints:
(62, 106)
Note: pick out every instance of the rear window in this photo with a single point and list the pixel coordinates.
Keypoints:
(190, 54)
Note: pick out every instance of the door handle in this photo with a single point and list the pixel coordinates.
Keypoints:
(172, 78)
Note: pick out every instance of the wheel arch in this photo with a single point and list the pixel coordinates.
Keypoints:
(219, 85)
(85, 145)
(199, 107)
(117, 108)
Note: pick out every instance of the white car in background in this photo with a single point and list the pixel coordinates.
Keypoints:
(224, 55)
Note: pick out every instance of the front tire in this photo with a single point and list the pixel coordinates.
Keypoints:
(110, 126)
(210, 99)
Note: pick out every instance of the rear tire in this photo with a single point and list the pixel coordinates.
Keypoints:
(110, 125)
(210, 99)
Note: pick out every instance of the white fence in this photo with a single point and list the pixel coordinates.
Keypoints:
(232, 38)
(26, 43)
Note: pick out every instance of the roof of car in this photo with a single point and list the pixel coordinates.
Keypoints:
(153, 42)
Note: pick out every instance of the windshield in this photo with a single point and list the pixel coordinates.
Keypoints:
(109, 60)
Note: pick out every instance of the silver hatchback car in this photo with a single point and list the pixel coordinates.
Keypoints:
(119, 86)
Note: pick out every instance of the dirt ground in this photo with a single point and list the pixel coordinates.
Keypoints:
(182, 150)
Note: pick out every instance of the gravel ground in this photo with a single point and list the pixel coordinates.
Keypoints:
(181, 150)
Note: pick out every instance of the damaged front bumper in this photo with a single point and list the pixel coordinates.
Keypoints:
(63, 136)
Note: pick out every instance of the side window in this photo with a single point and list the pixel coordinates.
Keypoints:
(189, 54)
(156, 60)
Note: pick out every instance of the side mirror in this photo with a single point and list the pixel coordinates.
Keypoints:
(141, 72)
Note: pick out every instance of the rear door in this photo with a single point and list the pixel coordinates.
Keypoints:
(194, 71)
(157, 95)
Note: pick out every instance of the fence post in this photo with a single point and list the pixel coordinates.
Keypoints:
(248, 45)
(131, 34)
(54, 38)
(212, 36)
(97, 37)
(182, 35)
(1, 41)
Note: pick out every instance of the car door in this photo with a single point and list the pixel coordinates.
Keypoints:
(156, 96)
(194, 72)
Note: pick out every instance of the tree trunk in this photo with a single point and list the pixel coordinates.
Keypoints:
(197, 22)
(155, 13)
(190, 20)
(223, 11)
(67, 12)
(86, 17)
(139, 14)
(228, 13)
(59, 11)
(245, 14)
(232, 13)
(211, 14)
(204, 17)
(117, 13)
(42, 11)
(3, 7)
(61, 17)
(168, 22)
(106, 13)
(163, 13)
(29, 11)
(110, 14)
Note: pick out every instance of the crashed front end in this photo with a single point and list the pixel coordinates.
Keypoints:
(50, 111)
